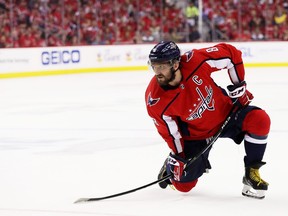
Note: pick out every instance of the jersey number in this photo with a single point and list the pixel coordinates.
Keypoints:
(212, 49)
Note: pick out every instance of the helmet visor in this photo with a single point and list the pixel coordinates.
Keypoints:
(159, 66)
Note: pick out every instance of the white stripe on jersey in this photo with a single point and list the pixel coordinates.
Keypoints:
(173, 128)
(225, 63)
(221, 63)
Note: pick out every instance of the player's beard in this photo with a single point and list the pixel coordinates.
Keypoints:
(165, 80)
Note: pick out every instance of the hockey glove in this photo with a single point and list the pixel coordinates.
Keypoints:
(176, 166)
(240, 94)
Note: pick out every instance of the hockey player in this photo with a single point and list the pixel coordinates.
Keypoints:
(188, 108)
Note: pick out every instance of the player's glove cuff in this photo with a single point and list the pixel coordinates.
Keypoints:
(176, 166)
(237, 90)
(240, 93)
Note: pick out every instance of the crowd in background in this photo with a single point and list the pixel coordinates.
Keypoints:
(39, 23)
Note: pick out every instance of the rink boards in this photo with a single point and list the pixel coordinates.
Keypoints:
(21, 62)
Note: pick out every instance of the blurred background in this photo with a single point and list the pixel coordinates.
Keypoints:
(42, 23)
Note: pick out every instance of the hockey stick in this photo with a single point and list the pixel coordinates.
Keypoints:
(123, 193)
(190, 161)
(214, 138)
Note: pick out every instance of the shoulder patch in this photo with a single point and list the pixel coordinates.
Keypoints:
(189, 55)
(152, 101)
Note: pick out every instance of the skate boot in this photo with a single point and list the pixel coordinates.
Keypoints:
(163, 173)
(254, 186)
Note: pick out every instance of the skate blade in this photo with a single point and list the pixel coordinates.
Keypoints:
(248, 191)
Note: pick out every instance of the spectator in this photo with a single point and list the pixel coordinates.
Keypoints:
(280, 15)
(194, 34)
(174, 35)
(257, 25)
(192, 13)
(280, 19)
(257, 34)
(285, 35)
(2, 41)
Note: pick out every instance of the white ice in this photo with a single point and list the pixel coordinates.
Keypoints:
(88, 135)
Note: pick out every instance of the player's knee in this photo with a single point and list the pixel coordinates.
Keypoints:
(257, 122)
(184, 186)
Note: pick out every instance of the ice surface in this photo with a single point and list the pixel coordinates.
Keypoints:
(88, 135)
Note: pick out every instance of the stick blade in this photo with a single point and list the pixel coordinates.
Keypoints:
(82, 200)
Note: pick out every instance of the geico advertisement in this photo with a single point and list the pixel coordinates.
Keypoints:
(56, 57)
(37, 59)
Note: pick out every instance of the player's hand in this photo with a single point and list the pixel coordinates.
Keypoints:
(239, 92)
(176, 166)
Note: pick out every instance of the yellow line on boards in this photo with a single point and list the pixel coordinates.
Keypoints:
(111, 69)
(278, 64)
(72, 71)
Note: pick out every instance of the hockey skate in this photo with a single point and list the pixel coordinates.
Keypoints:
(163, 173)
(254, 186)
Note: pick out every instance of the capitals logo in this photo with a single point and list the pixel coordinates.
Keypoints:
(205, 103)
(152, 101)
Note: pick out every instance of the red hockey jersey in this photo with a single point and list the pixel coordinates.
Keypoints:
(196, 108)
